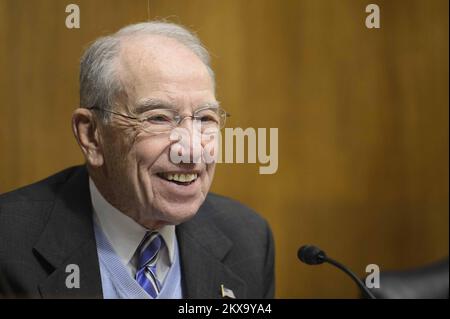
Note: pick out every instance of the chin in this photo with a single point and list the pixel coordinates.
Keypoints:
(178, 212)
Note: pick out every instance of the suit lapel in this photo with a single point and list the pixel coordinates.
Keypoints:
(67, 243)
(203, 248)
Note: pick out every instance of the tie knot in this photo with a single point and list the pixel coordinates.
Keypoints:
(148, 250)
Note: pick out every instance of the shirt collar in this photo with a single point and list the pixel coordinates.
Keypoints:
(123, 233)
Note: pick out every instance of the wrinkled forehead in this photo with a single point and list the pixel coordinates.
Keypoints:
(152, 63)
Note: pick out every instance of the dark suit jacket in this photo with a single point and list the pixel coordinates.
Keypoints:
(48, 225)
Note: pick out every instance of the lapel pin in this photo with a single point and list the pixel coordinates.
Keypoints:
(227, 293)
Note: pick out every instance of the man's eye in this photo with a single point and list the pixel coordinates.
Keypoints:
(159, 119)
(208, 119)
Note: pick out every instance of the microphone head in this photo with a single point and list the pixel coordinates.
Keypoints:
(311, 255)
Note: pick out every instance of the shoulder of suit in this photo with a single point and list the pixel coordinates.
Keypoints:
(28, 207)
(249, 231)
(231, 212)
(24, 212)
(40, 191)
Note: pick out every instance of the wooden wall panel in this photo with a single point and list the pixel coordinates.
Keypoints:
(362, 117)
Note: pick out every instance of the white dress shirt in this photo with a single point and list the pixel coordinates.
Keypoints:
(125, 235)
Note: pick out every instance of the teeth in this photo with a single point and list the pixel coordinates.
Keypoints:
(180, 177)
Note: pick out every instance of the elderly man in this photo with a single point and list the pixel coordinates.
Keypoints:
(133, 222)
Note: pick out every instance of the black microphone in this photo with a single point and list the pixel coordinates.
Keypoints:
(312, 255)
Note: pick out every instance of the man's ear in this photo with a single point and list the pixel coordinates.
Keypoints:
(87, 134)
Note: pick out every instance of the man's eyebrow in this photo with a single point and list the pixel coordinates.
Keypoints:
(215, 104)
(149, 104)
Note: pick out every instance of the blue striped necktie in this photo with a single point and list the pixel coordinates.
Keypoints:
(146, 268)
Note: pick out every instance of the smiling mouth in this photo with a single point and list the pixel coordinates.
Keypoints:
(179, 178)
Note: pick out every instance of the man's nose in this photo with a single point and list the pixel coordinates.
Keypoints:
(190, 143)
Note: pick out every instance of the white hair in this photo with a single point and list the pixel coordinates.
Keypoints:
(99, 82)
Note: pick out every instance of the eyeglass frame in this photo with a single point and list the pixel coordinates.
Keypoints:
(178, 122)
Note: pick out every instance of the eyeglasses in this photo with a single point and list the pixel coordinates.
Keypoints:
(165, 120)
